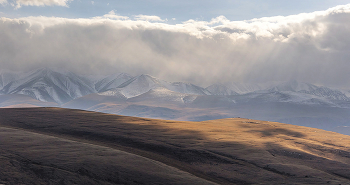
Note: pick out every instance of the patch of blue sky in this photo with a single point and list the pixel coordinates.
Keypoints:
(175, 11)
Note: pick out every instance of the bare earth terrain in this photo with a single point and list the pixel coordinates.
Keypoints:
(65, 146)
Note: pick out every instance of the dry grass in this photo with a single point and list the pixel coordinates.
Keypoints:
(227, 151)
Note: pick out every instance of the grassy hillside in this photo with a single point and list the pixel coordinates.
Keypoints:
(227, 151)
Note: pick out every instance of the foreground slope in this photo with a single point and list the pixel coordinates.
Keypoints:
(52, 160)
(227, 151)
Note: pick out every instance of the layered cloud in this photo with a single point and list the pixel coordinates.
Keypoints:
(311, 47)
(112, 15)
(20, 3)
(148, 18)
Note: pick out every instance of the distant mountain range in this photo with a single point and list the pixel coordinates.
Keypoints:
(146, 96)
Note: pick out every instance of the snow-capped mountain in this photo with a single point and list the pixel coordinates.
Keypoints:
(49, 85)
(6, 77)
(291, 91)
(146, 96)
(293, 86)
(346, 92)
(138, 85)
(306, 88)
(60, 86)
(144, 83)
(112, 81)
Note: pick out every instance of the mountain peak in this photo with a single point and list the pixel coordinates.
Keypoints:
(146, 76)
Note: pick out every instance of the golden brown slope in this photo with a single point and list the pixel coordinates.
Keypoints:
(236, 151)
(31, 158)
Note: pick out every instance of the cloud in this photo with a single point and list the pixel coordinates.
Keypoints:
(3, 2)
(311, 47)
(112, 15)
(148, 18)
(20, 3)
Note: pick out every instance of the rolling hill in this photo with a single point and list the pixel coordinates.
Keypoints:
(74, 146)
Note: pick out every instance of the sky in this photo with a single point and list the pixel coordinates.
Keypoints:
(197, 41)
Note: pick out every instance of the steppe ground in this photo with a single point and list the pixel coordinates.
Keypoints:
(66, 146)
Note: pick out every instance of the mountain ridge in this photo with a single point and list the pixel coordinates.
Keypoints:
(147, 96)
(61, 86)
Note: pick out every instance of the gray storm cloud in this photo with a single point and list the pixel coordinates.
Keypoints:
(312, 47)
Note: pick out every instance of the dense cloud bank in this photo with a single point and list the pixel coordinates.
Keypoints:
(311, 47)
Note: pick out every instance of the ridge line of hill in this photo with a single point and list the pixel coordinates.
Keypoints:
(143, 153)
(227, 151)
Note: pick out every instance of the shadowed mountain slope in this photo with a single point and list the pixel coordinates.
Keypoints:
(226, 151)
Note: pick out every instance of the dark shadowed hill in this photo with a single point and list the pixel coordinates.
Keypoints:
(65, 146)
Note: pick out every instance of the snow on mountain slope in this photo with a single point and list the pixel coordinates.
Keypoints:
(49, 86)
(292, 97)
(144, 83)
(6, 77)
(139, 85)
(328, 93)
(220, 89)
(241, 88)
(112, 81)
(186, 88)
(60, 86)
(305, 88)
(346, 92)
(293, 86)
(113, 92)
